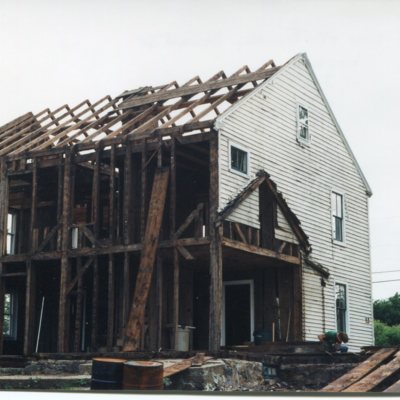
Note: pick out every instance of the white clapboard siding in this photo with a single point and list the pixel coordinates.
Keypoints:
(264, 122)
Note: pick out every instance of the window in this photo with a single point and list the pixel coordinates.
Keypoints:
(11, 232)
(239, 160)
(337, 217)
(341, 307)
(10, 315)
(303, 134)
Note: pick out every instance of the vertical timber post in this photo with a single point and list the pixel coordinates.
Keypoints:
(3, 235)
(215, 251)
(30, 272)
(66, 209)
(175, 257)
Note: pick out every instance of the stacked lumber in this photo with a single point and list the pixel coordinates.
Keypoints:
(367, 376)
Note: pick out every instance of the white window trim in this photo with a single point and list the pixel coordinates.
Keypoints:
(343, 194)
(342, 282)
(240, 147)
(300, 139)
(230, 283)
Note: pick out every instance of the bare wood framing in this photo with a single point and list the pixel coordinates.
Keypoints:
(143, 280)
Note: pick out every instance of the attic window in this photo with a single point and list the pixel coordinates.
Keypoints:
(303, 133)
(239, 160)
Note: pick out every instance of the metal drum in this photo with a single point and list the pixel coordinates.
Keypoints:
(143, 375)
(107, 373)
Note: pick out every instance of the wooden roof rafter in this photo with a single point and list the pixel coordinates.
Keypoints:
(137, 113)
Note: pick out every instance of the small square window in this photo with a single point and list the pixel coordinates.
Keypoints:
(303, 133)
(239, 160)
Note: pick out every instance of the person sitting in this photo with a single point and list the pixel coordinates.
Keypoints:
(333, 340)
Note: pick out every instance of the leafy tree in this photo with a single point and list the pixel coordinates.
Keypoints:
(388, 311)
(386, 335)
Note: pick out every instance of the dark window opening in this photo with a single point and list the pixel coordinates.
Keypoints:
(239, 160)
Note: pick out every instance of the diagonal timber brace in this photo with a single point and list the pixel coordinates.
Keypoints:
(150, 243)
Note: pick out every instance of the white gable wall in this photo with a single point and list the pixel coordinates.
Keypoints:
(265, 123)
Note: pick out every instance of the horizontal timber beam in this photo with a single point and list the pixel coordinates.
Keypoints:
(249, 248)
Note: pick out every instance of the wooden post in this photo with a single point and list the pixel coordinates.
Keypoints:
(59, 202)
(78, 313)
(298, 302)
(215, 252)
(30, 272)
(29, 307)
(95, 193)
(159, 288)
(143, 191)
(150, 243)
(172, 188)
(62, 328)
(95, 304)
(127, 200)
(126, 291)
(112, 196)
(3, 236)
(110, 303)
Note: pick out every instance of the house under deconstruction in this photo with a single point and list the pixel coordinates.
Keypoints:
(123, 219)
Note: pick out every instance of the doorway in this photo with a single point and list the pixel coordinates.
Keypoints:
(237, 312)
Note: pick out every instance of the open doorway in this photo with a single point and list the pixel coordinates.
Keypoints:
(237, 312)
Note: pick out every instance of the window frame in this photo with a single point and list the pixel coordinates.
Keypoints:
(11, 233)
(245, 150)
(333, 216)
(299, 124)
(338, 282)
(12, 335)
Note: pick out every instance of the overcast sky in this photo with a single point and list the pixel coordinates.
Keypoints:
(56, 52)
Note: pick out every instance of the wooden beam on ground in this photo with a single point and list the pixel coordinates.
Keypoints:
(143, 280)
(374, 378)
(249, 248)
(360, 371)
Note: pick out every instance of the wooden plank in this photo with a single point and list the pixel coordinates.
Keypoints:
(191, 90)
(374, 378)
(297, 314)
(143, 280)
(238, 230)
(143, 190)
(185, 253)
(249, 248)
(360, 371)
(395, 388)
(127, 197)
(176, 368)
(159, 305)
(126, 290)
(198, 360)
(96, 194)
(34, 194)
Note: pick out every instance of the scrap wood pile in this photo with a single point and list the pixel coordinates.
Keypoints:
(380, 372)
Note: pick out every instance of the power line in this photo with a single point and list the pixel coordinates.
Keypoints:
(384, 272)
(389, 280)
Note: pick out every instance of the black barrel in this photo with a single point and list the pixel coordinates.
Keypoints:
(143, 375)
(107, 373)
